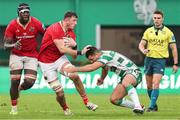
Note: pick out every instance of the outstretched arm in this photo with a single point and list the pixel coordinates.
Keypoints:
(90, 67)
(86, 68)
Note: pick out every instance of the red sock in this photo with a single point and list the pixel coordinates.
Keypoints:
(85, 99)
(13, 102)
(65, 107)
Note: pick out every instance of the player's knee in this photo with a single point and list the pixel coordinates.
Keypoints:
(27, 84)
(74, 76)
(155, 85)
(116, 101)
(15, 77)
(149, 87)
(60, 94)
(56, 86)
(113, 100)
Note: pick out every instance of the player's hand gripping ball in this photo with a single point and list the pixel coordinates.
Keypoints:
(69, 42)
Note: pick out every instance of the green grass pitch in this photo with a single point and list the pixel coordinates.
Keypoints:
(44, 106)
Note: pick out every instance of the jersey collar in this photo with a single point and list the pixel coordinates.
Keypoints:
(159, 28)
(23, 25)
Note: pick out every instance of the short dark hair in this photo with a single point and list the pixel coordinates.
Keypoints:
(159, 12)
(92, 50)
(23, 6)
(70, 14)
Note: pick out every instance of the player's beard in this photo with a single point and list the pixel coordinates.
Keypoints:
(158, 25)
(24, 20)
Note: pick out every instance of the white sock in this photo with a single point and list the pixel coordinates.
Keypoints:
(14, 108)
(134, 97)
(127, 103)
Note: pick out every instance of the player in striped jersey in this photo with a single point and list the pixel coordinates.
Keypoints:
(130, 75)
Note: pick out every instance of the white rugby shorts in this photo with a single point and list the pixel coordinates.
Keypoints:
(50, 70)
(22, 62)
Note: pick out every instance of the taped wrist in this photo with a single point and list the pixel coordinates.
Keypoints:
(75, 47)
(55, 85)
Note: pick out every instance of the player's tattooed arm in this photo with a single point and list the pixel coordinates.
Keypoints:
(103, 75)
(9, 44)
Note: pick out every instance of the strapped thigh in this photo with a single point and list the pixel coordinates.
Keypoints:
(16, 74)
(30, 74)
(29, 79)
(55, 85)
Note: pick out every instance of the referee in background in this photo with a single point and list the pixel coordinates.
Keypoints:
(154, 45)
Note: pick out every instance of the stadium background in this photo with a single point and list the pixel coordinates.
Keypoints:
(108, 24)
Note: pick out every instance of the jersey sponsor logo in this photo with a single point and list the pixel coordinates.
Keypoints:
(25, 37)
(157, 42)
(31, 29)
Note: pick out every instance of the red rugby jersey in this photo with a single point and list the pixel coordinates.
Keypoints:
(16, 31)
(49, 53)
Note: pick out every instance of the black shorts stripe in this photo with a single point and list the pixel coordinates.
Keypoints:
(28, 71)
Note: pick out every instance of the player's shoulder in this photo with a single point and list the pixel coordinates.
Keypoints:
(167, 29)
(54, 25)
(107, 53)
(13, 21)
(150, 29)
(35, 20)
(53, 28)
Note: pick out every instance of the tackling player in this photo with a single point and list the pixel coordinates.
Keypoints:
(130, 75)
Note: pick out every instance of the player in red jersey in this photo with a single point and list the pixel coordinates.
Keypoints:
(20, 38)
(58, 40)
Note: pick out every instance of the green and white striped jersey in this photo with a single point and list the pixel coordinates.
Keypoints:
(118, 63)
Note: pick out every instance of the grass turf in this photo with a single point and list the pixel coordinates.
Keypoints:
(44, 106)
